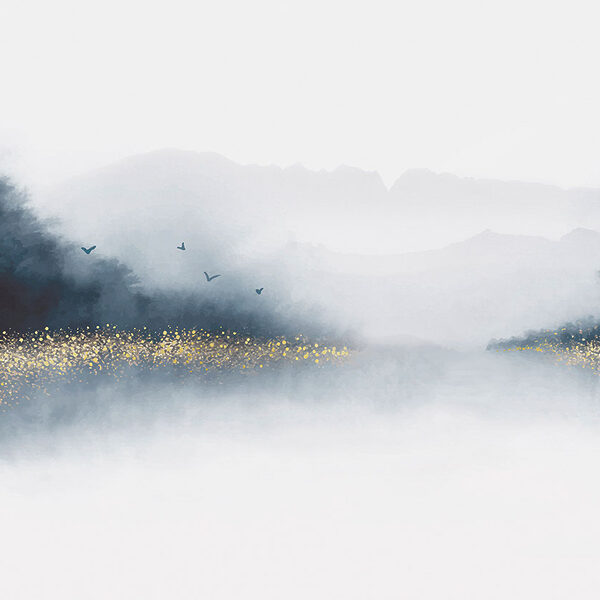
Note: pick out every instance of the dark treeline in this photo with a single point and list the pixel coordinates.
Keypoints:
(45, 281)
(568, 334)
(37, 287)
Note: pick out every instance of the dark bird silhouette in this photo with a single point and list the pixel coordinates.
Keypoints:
(259, 291)
(208, 278)
(182, 247)
(88, 250)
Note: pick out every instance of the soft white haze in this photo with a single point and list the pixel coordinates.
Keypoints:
(422, 467)
(426, 476)
(502, 89)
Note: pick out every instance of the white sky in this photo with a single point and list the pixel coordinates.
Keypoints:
(507, 89)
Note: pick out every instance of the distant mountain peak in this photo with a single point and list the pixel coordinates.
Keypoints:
(426, 178)
(489, 237)
(418, 172)
(581, 234)
(350, 169)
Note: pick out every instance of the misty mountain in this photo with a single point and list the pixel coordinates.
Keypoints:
(490, 285)
(280, 228)
(217, 206)
(212, 201)
(432, 200)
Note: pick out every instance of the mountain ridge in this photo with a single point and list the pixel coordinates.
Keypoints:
(346, 208)
(411, 173)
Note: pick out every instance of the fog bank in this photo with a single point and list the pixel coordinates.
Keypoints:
(440, 475)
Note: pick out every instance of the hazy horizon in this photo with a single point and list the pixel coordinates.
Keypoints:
(498, 91)
(14, 164)
(20, 178)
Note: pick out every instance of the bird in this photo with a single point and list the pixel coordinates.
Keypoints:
(259, 291)
(208, 278)
(182, 247)
(88, 250)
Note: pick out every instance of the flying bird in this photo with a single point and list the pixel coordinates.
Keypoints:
(208, 278)
(88, 250)
(182, 247)
(259, 291)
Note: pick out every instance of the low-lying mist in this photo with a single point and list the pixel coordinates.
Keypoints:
(412, 472)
